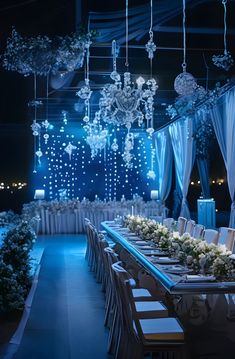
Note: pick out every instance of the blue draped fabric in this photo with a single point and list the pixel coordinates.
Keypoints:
(164, 157)
(111, 25)
(202, 165)
(181, 133)
(223, 119)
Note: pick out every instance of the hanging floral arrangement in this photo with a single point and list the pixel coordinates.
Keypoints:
(203, 136)
(70, 52)
(41, 55)
(28, 55)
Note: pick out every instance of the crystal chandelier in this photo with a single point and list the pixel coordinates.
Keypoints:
(96, 135)
(122, 104)
(125, 102)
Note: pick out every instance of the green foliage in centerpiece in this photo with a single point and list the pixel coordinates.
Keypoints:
(195, 253)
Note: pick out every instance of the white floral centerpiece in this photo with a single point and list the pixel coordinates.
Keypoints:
(195, 253)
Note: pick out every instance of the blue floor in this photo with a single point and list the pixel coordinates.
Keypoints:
(66, 318)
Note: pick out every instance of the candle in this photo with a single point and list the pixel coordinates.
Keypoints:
(132, 210)
(154, 194)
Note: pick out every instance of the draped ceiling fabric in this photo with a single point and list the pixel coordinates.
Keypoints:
(164, 157)
(181, 133)
(223, 119)
(110, 25)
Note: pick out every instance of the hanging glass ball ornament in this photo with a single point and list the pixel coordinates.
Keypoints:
(185, 84)
(114, 145)
(115, 76)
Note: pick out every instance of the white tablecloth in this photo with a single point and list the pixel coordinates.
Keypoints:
(72, 221)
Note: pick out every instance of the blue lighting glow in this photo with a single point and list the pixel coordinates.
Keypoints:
(105, 176)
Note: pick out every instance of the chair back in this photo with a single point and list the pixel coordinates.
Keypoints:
(227, 237)
(181, 224)
(198, 231)
(211, 236)
(190, 227)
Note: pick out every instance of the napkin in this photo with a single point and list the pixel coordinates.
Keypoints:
(199, 278)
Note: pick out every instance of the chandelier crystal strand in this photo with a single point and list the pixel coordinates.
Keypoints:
(36, 129)
(224, 61)
(45, 123)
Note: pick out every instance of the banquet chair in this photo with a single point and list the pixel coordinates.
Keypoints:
(190, 224)
(198, 231)
(101, 272)
(181, 224)
(111, 319)
(168, 222)
(140, 334)
(227, 237)
(86, 222)
(211, 236)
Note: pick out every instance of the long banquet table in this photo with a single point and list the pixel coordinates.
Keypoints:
(173, 283)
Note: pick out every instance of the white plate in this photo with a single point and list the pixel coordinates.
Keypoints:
(177, 269)
(141, 243)
(166, 260)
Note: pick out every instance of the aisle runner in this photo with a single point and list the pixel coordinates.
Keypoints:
(66, 319)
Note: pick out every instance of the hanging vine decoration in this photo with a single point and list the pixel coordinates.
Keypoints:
(203, 136)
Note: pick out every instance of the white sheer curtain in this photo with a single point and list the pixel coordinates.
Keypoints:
(181, 133)
(223, 119)
(164, 157)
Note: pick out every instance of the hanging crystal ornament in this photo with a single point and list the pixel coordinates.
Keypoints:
(85, 92)
(224, 61)
(65, 118)
(151, 174)
(114, 145)
(150, 47)
(185, 83)
(46, 123)
(36, 129)
(96, 135)
(69, 149)
(128, 148)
